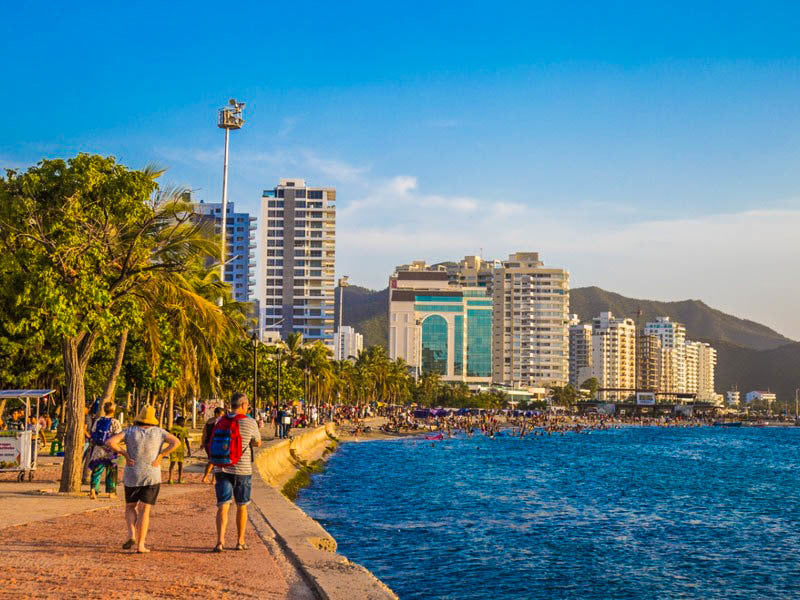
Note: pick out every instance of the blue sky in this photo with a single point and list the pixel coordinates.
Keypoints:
(651, 150)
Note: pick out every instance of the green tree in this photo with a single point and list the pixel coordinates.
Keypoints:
(564, 395)
(81, 238)
(591, 384)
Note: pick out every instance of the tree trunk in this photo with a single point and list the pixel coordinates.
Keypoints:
(160, 410)
(171, 412)
(111, 383)
(76, 351)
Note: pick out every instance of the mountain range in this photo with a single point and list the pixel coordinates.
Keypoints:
(750, 356)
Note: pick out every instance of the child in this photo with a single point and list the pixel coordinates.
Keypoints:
(180, 432)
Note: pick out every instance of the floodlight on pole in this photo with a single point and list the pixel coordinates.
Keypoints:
(230, 117)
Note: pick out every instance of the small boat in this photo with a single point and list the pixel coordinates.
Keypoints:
(727, 423)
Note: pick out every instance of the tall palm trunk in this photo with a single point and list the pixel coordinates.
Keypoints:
(171, 407)
(116, 367)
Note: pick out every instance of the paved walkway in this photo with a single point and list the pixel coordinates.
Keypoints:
(66, 552)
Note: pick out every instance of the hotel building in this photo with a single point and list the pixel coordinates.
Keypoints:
(440, 328)
(614, 356)
(649, 359)
(298, 258)
(531, 323)
(240, 246)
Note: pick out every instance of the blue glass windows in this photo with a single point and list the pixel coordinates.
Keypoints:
(434, 345)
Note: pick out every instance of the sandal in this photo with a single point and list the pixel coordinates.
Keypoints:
(129, 544)
(242, 547)
(219, 548)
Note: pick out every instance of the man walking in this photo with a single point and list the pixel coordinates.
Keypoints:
(233, 473)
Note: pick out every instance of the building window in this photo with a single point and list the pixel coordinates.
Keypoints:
(458, 345)
(434, 345)
(479, 343)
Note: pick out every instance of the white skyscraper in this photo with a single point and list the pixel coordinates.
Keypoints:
(531, 322)
(297, 260)
(673, 352)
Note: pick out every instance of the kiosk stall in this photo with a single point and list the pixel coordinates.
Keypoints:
(19, 448)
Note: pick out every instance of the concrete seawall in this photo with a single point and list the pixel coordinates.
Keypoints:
(305, 542)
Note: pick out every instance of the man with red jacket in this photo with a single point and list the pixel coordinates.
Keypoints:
(232, 483)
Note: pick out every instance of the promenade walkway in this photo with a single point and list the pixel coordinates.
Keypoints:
(70, 547)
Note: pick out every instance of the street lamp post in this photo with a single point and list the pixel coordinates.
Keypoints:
(230, 117)
(254, 339)
(796, 403)
(343, 283)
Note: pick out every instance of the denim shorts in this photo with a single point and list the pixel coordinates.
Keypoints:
(228, 487)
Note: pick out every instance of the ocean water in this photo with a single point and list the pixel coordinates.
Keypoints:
(629, 513)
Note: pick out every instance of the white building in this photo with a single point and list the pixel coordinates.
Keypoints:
(692, 356)
(732, 397)
(760, 396)
(580, 351)
(673, 348)
(614, 355)
(531, 322)
(298, 254)
(347, 343)
(706, 379)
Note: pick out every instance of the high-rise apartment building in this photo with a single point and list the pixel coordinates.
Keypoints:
(298, 259)
(473, 271)
(691, 355)
(672, 336)
(580, 351)
(347, 343)
(531, 323)
(440, 328)
(240, 251)
(706, 366)
(648, 362)
(614, 356)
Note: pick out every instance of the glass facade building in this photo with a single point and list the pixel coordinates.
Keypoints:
(434, 345)
(479, 342)
(440, 328)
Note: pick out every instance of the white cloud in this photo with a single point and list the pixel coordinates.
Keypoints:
(743, 263)
(337, 170)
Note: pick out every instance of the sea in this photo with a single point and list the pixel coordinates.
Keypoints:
(635, 512)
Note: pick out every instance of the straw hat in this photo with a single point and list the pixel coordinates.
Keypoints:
(147, 416)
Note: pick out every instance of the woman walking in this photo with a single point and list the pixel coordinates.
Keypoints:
(143, 455)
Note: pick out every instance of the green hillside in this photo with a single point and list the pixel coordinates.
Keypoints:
(750, 356)
(777, 369)
(702, 321)
(367, 311)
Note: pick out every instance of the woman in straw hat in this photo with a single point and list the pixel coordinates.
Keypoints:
(144, 450)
